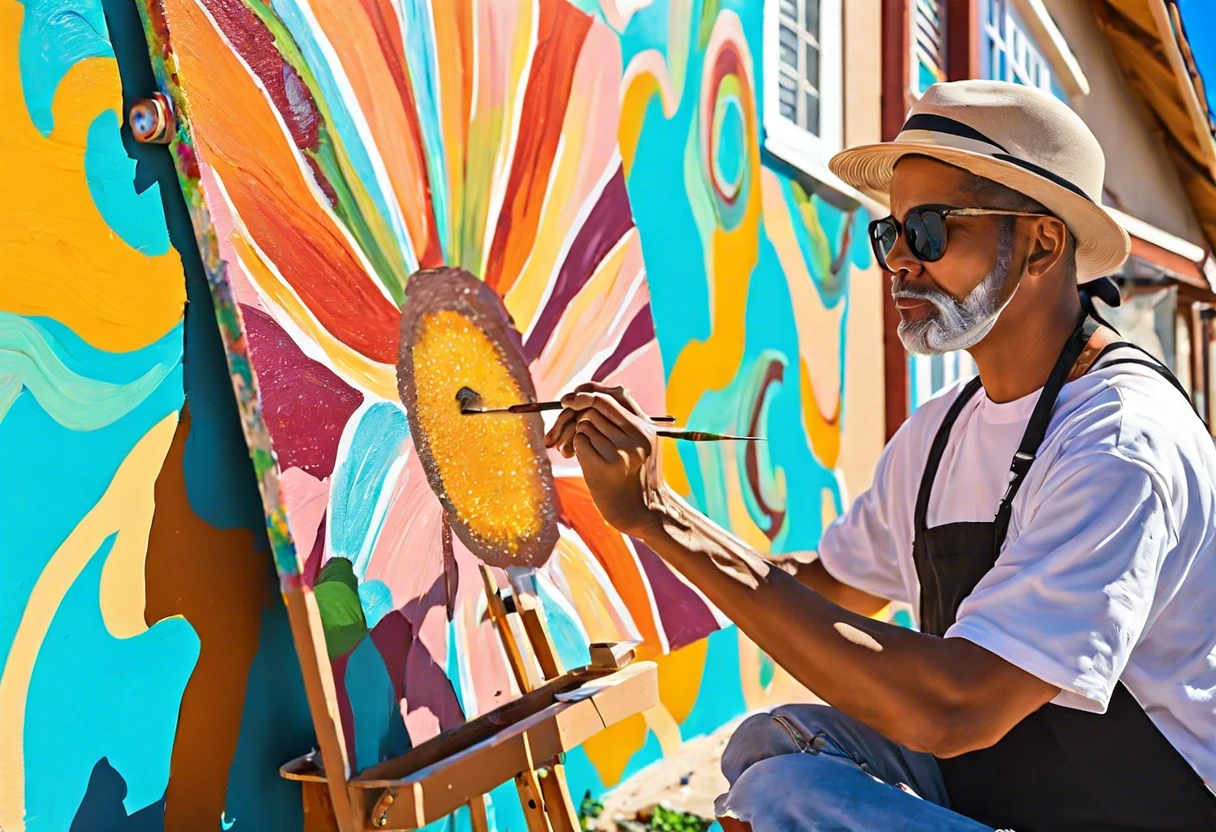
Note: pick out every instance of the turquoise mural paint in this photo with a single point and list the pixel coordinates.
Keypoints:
(56, 35)
(374, 705)
(376, 599)
(134, 216)
(420, 55)
(52, 461)
(31, 354)
(568, 637)
(357, 483)
(92, 696)
(720, 698)
(768, 669)
(452, 670)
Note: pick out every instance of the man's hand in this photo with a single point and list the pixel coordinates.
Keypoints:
(618, 450)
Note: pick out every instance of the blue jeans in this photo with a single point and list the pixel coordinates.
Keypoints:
(811, 767)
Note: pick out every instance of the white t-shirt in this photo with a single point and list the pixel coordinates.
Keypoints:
(1109, 568)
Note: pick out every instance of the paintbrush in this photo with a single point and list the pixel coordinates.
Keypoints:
(470, 399)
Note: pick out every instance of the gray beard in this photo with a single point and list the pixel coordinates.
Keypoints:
(954, 325)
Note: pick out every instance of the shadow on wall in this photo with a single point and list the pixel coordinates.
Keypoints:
(243, 712)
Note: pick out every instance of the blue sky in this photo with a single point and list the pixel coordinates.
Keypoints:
(1201, 30)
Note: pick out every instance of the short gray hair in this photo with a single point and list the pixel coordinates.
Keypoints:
(990, 194)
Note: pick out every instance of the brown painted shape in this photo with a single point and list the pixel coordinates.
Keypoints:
(219, 583)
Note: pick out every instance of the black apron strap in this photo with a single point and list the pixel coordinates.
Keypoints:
(1153, 363)
(936, 450)
(1036, 428)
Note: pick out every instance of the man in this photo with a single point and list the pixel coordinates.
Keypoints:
(1052, 522)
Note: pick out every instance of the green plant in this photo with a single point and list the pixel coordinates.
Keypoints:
(589, 810)
(669, 820)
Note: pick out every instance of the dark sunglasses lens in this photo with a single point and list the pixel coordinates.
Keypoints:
(927, 235)
(883, 234)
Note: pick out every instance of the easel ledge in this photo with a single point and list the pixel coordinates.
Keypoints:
(438, 777)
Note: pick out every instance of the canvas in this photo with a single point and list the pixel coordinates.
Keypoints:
(594, 172)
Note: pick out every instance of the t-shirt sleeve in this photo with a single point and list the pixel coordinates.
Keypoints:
(1070, 597)
(858, 548)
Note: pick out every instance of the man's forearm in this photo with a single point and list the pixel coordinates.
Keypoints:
(817, 577)
(917, 690)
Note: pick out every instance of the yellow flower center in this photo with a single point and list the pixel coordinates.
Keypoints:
(487, 465)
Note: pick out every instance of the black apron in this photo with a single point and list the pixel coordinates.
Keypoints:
(1059, 768)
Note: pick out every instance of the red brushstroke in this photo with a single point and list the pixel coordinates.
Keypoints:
(451, 576)
(774, 373)
(305, 404)
(255, 43)
(388, 36)
(685, 616)
(561, 32)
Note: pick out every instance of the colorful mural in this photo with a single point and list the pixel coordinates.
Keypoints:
(139, 623)
(595, 170)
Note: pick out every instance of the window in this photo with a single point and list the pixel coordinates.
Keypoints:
(1008, 52)
(928, 45)
(802, 81)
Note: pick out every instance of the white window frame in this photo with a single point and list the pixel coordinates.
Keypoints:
(1041, 39)
(784, 138)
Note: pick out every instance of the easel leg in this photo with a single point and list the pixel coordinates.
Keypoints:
(477, 814)
(558, 804)
(318, 809)
(533, 803)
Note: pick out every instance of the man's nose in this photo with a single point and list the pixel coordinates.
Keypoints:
(902, 261)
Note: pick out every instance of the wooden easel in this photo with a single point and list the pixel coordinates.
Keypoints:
(521, 741)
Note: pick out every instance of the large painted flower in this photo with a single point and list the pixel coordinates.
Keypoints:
(342, 147)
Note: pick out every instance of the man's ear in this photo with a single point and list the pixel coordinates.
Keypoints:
(1048, 245)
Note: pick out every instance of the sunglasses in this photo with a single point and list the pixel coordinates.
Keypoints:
(926, 230)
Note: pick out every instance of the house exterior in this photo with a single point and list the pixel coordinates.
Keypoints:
(1125, 67)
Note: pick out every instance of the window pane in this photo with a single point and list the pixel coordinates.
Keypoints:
(812, 64)
(790, 8)
(789, 47)
(811, 111)
(811, 21)
(787, 92)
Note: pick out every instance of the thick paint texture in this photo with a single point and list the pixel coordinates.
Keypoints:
(138, 614)
(599, 166)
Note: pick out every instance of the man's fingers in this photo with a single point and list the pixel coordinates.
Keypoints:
(615, 412)
(564, 441)
(611, 431)
(587, 437)
(566, 417)
(620, 394)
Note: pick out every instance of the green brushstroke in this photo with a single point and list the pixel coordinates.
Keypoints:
(337, 594)
(29, 354)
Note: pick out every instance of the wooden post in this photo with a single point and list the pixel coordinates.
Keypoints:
(559, 805)
(477, 814)
(498, 614)
(962, 39)
(308, 634)
(896, 79)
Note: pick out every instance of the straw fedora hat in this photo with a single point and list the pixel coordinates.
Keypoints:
(1018, 136)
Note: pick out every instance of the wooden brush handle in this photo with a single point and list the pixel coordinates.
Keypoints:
(541, 407)
(703, 436)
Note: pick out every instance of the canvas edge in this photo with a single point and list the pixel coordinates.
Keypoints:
(307, 633)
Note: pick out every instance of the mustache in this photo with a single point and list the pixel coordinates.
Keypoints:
(902, 290)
